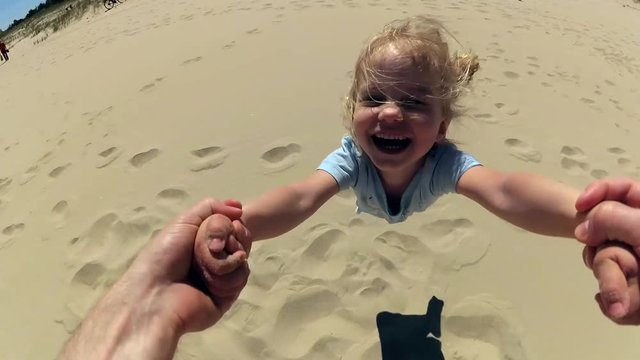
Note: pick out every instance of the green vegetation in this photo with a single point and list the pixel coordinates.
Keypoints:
(48, 17)
(38, 10)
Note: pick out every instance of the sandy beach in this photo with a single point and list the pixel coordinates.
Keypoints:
(115, 124)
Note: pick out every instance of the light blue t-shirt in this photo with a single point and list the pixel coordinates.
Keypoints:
(443, 167)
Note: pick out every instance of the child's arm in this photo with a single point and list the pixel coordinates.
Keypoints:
(282, 209)
(529, 201)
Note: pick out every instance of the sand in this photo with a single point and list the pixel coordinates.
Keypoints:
(115, 124)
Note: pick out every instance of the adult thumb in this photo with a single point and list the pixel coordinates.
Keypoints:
(610, 220)
(612, 282)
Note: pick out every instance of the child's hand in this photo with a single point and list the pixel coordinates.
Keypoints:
(220, 252)
(615, 266)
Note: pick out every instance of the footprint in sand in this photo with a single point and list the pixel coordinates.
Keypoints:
(229, 46)
(172, 194)
(280, 158)
(574, 160)
(482, 322)
(89, 274)
(304, 308)
(486, 118)
(323, 242)
(626, 163)
(44, 159)
(509, 110)
(523, 151)
(93, 117)
(83, 290)
(60, 209)
(56, 172)
(511, 75)
(150, 86)
(106, 157)
(445, 235)
(13, 229)
(398, 247)
(356, 223)
(372, 290)
(248, 316)
(208, 158)
(587, 101)
(599, 173)
(29, 175)
(616, 151)
(140, 159)
(99, 256)
(267, 270)
(398, 253)
(113, 239)
(192, 60)
(4, 183)
(9, 232)
(253, 31)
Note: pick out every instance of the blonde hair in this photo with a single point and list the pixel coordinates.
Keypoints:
(421, 39)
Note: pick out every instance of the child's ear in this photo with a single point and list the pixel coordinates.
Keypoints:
(442, 131)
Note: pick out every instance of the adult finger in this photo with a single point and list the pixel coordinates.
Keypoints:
(588, 253)
(207, 207)
(172, 249)
(625, 190)
(615, 267)
(232, 245)
(222, 266)
(610, 220)
(243, 235)
(210, 243)
(613, 286)
(233, 203)
(239, 241)
(214, 232)
(229, 284)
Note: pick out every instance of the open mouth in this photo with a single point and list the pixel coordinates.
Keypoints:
(390, 145)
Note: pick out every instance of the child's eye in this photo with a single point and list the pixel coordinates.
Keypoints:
(413, 104)
(371, 101)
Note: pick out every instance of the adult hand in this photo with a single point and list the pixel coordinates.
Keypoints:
(616, 268)
(220, 253)
(614, 215)
(167, 262)
(155, 302)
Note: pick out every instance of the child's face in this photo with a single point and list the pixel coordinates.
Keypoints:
(395, 122)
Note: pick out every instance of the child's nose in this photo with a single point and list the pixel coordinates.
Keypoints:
(390, 112)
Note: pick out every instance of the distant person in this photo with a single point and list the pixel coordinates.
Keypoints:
(4, 52)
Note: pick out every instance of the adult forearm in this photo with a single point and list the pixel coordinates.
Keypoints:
(540, 205)
(123, 325)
